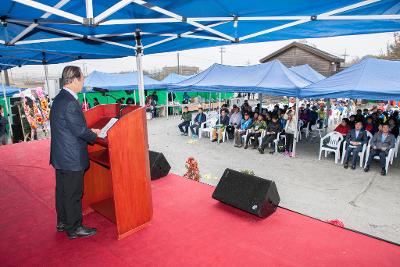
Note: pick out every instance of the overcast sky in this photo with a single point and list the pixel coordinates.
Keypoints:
(355, 46)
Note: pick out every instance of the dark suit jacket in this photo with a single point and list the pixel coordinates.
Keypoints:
(200, 118)
(69, 134)
(362, 137)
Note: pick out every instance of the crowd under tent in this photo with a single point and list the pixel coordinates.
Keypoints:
(371, 78)
(308, 73)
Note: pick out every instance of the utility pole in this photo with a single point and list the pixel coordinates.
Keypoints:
(179, 67)
(222, 51)
(345, 55)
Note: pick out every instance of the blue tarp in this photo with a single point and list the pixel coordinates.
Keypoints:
(173, 78)
(180, 24)
(271, 78)
(371, 78)
(308, 73)
(116, 81)
(10, 91)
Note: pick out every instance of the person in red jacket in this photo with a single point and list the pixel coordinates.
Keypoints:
(343, 127)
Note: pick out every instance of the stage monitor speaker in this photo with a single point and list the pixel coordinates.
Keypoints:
(159, 166)
(250, 193)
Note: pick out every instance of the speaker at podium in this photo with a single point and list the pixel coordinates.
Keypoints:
(117, 183)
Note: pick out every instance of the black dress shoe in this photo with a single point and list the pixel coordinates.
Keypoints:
(383, 172)
(353, 167)
(261, 150)
(214, 140)
(346, 165)
(60, 227)
(246, 146)
(82, 231)
(366, 169)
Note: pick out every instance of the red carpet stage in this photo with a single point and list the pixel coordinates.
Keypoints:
(189, 228)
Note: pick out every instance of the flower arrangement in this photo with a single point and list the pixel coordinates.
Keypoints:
(192, 168)
(249, 172)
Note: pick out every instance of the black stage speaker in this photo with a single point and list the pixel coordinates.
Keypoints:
(159, 166)
(250, 193)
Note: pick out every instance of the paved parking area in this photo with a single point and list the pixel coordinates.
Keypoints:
(367, 202)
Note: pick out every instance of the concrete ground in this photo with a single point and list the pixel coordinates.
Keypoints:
(366, 202)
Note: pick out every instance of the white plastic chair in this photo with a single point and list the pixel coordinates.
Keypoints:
(280, 136)
(305, 130)
(333, 145)
(388, 157)
(207, 127)
(299, 124)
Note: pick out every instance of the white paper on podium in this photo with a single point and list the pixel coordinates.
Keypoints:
(103, 132)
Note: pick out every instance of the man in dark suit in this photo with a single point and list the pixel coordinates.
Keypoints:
(68, 154)
(355, 140)
(381, 144)
(198, 120)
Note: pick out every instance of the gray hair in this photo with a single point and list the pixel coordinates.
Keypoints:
(69, 74)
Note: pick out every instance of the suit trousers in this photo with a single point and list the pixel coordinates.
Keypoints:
(355, 150)
(69, 191)
(185, 124)
(382, 157)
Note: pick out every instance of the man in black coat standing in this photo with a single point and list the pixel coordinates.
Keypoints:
(69, 138)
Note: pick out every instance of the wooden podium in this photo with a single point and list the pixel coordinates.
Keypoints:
(117, 183)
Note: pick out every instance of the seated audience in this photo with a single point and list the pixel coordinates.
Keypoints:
(321, 117)
(352, 121)
(290, 130)
(218, 131)
(242, 128)
(343, 127)
(234, 121)
(393, 127)
(255, 131)
(369, 125)
(354, 141)
(198, 120)
(129, 101)
(381, 143)
(187, 118)
(272, 131)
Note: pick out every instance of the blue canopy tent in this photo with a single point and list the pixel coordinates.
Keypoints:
(122, 27)
(173, 78)
(271, 78)
(371, 78)
(308, 73)
(125, 27)
(118, 81)
(10, 91)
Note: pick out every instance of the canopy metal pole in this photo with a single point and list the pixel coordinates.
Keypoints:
(219, 109)
(84, 101)
(46, 77)
(296, 133)
(134, 97)
(260, 96)
(209, 102)
(6, 104)
(139, 54)
(167, 106)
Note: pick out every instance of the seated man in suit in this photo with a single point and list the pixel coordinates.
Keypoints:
(198, 120)
(272, 131)
(381, 143)
(68, 153)
(218, 131)
(187, 118)
(355, 140)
